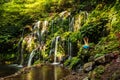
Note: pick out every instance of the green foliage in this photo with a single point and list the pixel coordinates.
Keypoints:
(98, 55)
(96, 73)
(95, 28)
(105, 45)
(115, 75)
(100, 69)
(74, 37)
(72, 62)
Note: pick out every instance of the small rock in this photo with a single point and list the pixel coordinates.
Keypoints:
(118, 59)
(73, 73)
(88, 66)
(100, 60)
(108, 58)
(114, 54)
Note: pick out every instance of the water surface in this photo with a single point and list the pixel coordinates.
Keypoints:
(6, 70)
(46, 72)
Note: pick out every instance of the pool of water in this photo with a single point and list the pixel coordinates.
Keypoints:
(45, 72)
(6, 70)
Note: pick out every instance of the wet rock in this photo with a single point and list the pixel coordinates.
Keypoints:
(88, 66)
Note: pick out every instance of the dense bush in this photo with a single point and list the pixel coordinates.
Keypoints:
(95, 28)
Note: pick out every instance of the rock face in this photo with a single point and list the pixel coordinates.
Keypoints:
(106, 58)
(88, 66)
(102, 60)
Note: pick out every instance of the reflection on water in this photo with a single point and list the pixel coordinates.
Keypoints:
(46, 72)
(6, 70)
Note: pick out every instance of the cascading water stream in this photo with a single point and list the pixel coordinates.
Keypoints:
(37, 25)
(37, 30)
(55, 54)
(71, 24)
(20, 48)
(69, 48)
(85, 16)
(43, 35)
(52, 50)
(41, 38)
(31, 56)
(71, 29)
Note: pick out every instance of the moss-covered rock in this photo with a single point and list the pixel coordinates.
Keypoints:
(88, 66)
(96, 73)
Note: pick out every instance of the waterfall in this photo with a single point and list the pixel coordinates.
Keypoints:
(22, 59)
(37, 30)
(37, 25)
(52, 50)
(71, 24)
(71, 29)
(38, 34)
(56, 46)
(69, 48)
(31, 56)
(45, 24)
(20, 49)
(53, 43)
(43, 32)
(85, 16)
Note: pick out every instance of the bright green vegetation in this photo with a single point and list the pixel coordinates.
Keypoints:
(101, 27)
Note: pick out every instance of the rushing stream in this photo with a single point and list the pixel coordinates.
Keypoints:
(45, 72)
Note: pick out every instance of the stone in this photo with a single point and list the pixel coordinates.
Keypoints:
(73, 73)
(115, 54)
(88, 66)
(100, 60)
(108, 57)
(118, 59)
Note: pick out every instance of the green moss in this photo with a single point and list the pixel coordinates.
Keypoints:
(100, 69)
(115, 75)
(96, 73)
(72, 62)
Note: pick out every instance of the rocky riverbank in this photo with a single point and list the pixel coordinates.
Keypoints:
(106, 67)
